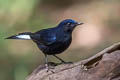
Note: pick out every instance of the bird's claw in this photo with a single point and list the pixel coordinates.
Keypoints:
(50, 66)
(50, 69)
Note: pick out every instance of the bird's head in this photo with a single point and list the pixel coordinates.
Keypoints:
(68, 24)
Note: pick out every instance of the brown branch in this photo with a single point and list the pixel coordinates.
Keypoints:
(105, 65)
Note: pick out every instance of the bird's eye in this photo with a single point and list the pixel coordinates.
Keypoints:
(68, 23)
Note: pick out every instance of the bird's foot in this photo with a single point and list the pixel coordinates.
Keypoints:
(50, 69)
(50, 66)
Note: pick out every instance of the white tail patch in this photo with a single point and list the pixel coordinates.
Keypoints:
(23, 36)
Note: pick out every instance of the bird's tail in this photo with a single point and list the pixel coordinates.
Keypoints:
(22, 36)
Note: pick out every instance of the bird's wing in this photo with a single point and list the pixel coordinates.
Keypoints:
(48, 39)
(45, 37)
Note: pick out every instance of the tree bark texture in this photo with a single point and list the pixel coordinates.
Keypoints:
(105, 65)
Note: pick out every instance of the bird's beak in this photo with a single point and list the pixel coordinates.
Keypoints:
(80, 23)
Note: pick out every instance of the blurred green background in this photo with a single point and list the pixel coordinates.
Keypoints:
(18, 58)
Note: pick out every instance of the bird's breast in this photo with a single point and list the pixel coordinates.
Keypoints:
(57, 47)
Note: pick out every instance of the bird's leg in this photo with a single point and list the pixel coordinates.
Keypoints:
(61, 59)
(47, 64)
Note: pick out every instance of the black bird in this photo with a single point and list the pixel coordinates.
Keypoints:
(51, 41)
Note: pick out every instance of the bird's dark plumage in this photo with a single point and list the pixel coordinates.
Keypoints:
(54, 40)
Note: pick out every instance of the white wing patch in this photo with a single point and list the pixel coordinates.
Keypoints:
(23, 36)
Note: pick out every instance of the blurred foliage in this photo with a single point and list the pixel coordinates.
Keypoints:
(19, 58)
